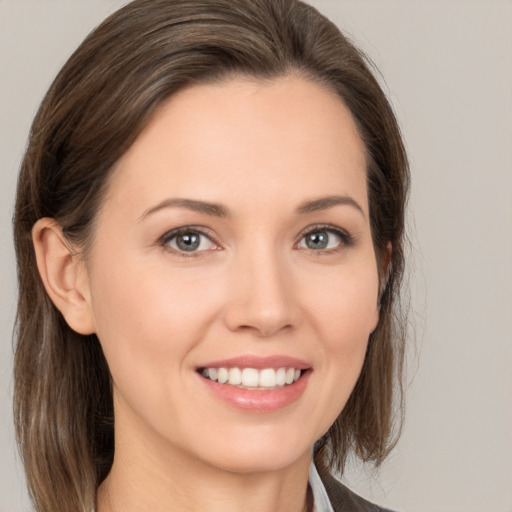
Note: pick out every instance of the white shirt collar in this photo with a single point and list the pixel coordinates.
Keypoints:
(321, 502)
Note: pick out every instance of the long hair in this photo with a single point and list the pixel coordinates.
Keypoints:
(98, 104)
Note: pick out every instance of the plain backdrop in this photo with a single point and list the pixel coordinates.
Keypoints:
(448, 72)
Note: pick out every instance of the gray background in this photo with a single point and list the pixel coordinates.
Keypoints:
(448, 71)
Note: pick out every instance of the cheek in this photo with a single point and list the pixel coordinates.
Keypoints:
(345, 330)
(345, 306)
(343, 314)
(146, 317)
(147, 321)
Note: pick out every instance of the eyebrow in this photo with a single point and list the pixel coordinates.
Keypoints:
(215, 210)
(324, 203)
(218, 210)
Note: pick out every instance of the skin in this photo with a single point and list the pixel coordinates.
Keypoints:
(261, 150)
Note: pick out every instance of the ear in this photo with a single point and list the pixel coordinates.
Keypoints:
(64, 275)
(385, 270)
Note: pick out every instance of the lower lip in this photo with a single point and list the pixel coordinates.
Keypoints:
(258, 400)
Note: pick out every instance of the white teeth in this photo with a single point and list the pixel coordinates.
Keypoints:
(267, 378)
(222, 375)
(235, 376)
(250, 377)
(281, 377)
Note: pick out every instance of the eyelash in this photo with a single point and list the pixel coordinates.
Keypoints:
(346, 240)
(198, 230)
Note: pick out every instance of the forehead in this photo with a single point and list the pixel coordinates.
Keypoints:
(245, 138)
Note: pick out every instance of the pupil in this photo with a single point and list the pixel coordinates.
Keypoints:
(188, 242)
(317, 240)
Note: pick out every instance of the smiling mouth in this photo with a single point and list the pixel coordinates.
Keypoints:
(264, 379)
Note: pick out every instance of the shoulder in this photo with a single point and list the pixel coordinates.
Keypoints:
(344, 500)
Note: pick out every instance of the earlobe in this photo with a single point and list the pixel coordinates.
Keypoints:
(64, 275)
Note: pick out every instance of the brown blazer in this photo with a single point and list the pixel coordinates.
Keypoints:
(344, 500)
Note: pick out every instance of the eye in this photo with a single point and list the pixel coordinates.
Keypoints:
(187, 240)
(324, 239)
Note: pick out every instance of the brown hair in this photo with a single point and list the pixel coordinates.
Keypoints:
(98, 104)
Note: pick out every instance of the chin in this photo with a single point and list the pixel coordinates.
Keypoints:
(243, 463)
(258, 453)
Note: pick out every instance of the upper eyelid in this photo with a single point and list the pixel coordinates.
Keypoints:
(325, 227)
(202, 230)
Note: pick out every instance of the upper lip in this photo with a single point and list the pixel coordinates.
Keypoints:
(258, 362)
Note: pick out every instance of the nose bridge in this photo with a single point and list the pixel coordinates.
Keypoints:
(261, 295)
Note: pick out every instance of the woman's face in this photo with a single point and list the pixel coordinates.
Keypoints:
(232, 253)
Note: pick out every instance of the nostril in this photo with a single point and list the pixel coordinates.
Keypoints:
(265, 329)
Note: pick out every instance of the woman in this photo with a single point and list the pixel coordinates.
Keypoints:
(209, 233)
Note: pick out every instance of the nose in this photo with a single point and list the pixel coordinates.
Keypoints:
(261, 295)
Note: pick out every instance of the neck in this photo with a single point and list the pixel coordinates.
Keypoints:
(143, 488)
(164, 479)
